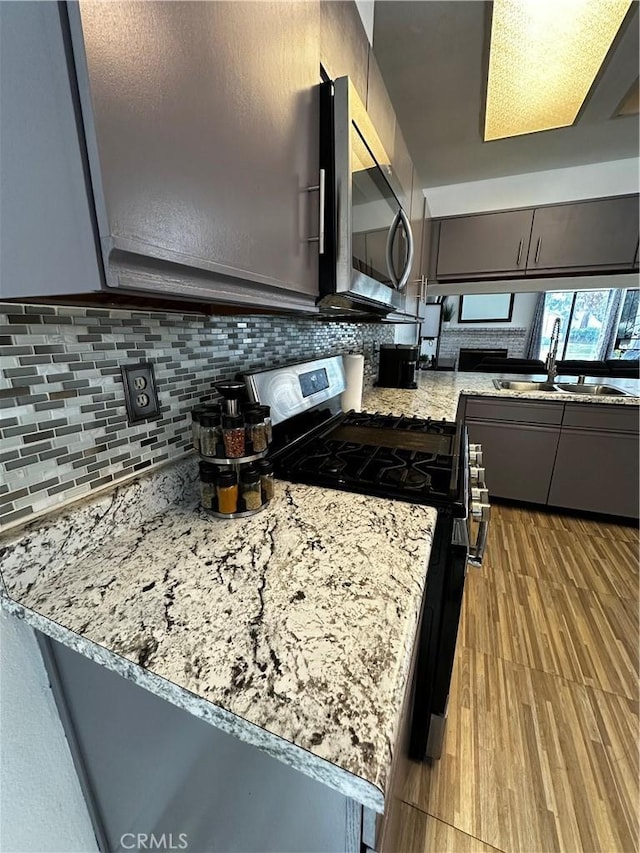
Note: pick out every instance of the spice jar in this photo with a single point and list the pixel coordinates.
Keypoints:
(265, 469)
(256, 430)
(210, 432)
(208, 478)
(227, 490)
(266, 415)
(233, 435)
(195, 425)
(250, 487)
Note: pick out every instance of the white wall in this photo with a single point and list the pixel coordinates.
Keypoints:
(41, 805)
(366, 9)
(596, 180)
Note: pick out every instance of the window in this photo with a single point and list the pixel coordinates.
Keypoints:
(627, 342)
(586, 320)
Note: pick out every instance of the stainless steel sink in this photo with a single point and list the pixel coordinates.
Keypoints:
(587, 388)
(512, 385)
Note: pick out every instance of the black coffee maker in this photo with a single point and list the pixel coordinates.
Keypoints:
(398, 365)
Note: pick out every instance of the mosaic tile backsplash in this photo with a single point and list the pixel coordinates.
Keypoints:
(63, 424)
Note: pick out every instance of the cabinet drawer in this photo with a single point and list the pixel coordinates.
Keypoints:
(515, 411)
(614, 418)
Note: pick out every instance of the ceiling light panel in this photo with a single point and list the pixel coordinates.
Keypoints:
(544, 57)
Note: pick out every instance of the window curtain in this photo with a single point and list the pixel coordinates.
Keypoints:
(532, 345)
(611, 324)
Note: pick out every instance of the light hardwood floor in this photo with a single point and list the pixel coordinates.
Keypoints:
(541, 749)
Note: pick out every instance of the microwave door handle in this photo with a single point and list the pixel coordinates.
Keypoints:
(409, 233)
(391, 239)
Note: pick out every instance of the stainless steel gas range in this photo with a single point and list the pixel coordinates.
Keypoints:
(419, 460)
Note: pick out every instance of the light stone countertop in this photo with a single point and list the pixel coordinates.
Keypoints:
(438, 393)
(292, 629)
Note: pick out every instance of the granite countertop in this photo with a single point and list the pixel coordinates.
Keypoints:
(292, 629)
(438, 393)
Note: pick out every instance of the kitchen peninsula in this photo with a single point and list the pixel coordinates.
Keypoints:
(293, 630)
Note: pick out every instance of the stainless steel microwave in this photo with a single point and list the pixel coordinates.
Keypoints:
(366, 240)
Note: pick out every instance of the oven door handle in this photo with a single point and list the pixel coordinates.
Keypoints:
(480, 512)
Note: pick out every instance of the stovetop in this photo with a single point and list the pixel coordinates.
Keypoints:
(397, 457)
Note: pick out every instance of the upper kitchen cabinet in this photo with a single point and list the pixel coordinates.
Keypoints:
(344, 46)
(402, 169)
(202, 129)
(563, 239)
(380, 108)
(47, 243)
(482, 246)
(595, 235)
(195, 126)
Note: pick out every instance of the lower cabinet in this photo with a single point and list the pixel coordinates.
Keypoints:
(518, 458)
(598, 471)
(149, 769)
(580, 456)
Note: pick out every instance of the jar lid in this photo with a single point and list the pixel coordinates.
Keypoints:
(253, 416)
(209, 473)
(266, 411)
(232, 421)
(204, 408)
(265, 466)
(246, 407)
(227, 478)
(230, 389)
(210, 419)
(249, 474)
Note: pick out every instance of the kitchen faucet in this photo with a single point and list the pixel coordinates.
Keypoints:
(550, 363)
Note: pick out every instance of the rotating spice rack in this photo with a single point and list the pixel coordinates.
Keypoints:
(231, 391)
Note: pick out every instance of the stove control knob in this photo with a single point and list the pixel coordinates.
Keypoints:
(477, 476)
(480, 495)
(480, 511)
(475, 456)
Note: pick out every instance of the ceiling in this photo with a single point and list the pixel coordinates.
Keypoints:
(432, 57)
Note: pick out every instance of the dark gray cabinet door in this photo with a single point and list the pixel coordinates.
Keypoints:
(484, 246)
(344, 46)
(380, 108)
(204, 133)
(47, 244)
(598, 235)
(152, 767)
(596, 471)
(518, 458)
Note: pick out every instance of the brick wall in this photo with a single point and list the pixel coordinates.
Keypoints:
(455, 338)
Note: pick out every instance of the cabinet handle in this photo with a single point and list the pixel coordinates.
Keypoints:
(476, 552)
(519, 253)
(320, 188)
(537, 250)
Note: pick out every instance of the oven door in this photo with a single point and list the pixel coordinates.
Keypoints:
(438, 636)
